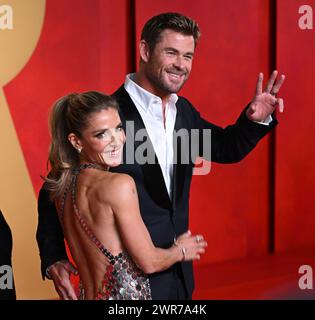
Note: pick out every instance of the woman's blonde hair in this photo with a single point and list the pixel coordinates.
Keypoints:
(70, 114)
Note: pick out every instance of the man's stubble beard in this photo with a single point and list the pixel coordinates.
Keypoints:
(161, 84)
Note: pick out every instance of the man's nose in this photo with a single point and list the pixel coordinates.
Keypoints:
(179, 63)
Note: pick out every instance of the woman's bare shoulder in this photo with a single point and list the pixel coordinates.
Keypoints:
(113, 187)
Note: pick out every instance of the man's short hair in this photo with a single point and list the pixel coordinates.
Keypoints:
(152, 30)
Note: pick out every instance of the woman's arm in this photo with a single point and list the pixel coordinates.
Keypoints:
(135, 236)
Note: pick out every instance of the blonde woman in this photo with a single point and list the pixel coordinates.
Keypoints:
(98, 209)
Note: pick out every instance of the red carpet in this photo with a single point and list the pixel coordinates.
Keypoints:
(269, 277)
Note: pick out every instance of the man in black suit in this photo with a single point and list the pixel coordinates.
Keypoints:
(7, 290)
(148, 101)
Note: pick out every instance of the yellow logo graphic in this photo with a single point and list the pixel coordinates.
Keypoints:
(17, 197)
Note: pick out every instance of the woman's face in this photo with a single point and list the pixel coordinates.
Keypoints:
(103, 138)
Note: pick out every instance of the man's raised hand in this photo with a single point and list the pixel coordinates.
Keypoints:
(265, 102)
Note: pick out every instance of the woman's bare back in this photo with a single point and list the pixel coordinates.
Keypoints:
(97, 215)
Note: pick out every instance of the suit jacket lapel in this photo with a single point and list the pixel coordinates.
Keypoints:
(178, 167)
(153, 177)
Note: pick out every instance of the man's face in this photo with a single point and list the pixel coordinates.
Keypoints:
(169, 64)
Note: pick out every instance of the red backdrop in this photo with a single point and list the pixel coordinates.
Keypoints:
(92, 44)
(79, 49)
(295, 147)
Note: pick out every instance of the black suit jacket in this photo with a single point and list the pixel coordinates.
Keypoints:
(164, 217)
(5, 256)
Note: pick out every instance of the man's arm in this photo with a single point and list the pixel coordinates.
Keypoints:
(49, 233)
(52, 249)
(233, 143)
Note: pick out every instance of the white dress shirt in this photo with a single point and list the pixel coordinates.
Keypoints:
(150, 108)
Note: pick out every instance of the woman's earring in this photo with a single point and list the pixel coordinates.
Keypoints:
(79, 149)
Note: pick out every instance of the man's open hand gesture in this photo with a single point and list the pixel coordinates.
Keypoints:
(265, 102)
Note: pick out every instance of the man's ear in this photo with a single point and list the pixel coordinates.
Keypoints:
(144, 51)
(75, 141)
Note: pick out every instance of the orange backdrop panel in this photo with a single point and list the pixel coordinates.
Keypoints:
(295, 147)
(83, 46)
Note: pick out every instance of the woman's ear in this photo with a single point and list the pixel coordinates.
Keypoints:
(75, 141)
(144, 51)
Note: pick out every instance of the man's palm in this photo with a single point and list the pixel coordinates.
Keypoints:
(265, 102)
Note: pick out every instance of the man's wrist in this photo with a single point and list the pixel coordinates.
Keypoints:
(47, 273)
(265, 122)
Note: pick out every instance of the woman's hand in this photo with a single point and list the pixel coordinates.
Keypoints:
(191, 246)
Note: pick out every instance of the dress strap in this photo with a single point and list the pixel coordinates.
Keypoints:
(81, 220)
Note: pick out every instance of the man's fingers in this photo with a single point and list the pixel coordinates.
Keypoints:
(281, 104)
(71, 294)
(271, 81)
(62, 293)
(68, 293)
(204, 243)
(273, 100)
(259, 83)
(275, 89)
(60, 274)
